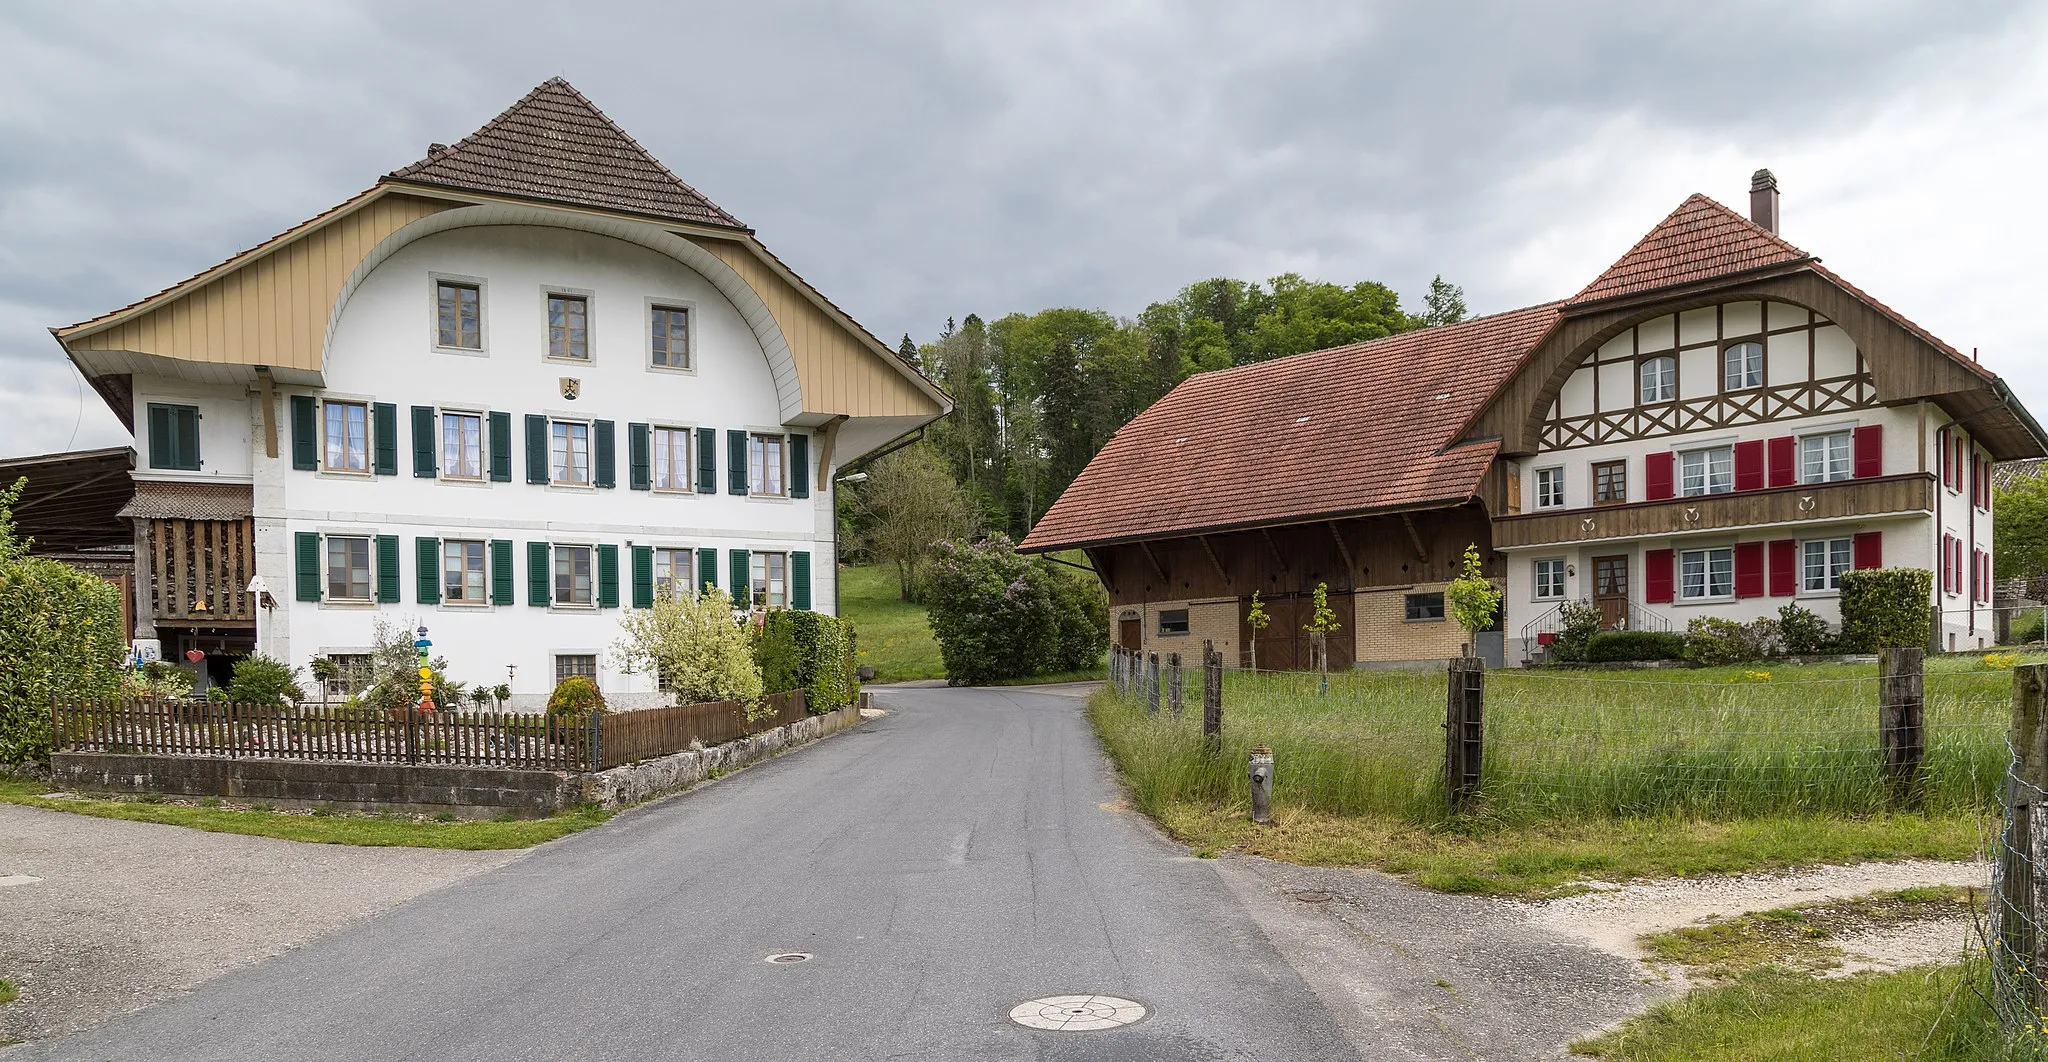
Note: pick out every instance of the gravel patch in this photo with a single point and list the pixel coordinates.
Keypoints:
(118, 915)
(1930, 942)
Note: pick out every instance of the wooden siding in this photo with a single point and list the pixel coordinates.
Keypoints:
(271, 309)
(1909, 493)
(194, 560)
(840, 373)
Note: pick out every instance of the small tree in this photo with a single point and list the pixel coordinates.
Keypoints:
(908, 505)
(394, 682)
(1320, 623)
(1471, 597)
(695, 644)
(1256, 620)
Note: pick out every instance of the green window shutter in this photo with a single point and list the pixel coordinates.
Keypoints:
(385, 416)
(799, 466)
(305, 433)
(536, 448)
(707, 460)
(423, 463)
(643, 576)
(387, 569)
(185, 436)
(501, 572)
(707, 568)
(537, 574)
(607, 576)
(501, 447)
(742, 579)
(736, 461)
(173, 436)
(604, 447)
(160, 436)
(309, 565)
(428, 552)
(800, 581)
(639, 457)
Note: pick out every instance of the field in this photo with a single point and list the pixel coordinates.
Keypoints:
(894, 639)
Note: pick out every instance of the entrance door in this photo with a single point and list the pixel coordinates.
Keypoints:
(1127, 632)
(1610, 591)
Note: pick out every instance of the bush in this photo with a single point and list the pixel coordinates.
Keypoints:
(809, 651)
(265, 681)
(1886, 608)
(998, 615)
(2026, 627)
(1804, 632)
(60, 635)
(394, 682)
(1712, 641)
(1083, 616)
(157, 680)
(1578, 622)
(1635, 645)
(576, 695)
(698, 645)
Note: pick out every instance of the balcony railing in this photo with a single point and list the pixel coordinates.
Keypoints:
(1848, 499)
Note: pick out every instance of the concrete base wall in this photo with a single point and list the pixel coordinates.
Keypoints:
(637, 782)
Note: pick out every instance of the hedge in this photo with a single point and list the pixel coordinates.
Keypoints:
(60, 635)
(1612, 646)
(809, 651)
(1886, 608)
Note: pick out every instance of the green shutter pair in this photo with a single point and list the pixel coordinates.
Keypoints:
(311, 579)
(426, 453)
(383, 432)
(603, 451)
(540, 575)
(173, 437)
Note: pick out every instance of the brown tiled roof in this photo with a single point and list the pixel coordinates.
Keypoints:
(554, 145)
(1329, 433)
(1700, 240)
(163, 500)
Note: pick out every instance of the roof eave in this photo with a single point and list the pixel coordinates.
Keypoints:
(480, 195)
(1449, 502)
(1691, 287)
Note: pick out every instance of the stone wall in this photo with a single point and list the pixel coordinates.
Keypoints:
(638, 782)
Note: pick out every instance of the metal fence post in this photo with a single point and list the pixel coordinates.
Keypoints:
(1212, 696)
(1173, 684)
(1902, 733)
(1152, 683)
(1464, 729)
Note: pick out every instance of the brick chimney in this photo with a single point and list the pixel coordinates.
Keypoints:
(1763, 199)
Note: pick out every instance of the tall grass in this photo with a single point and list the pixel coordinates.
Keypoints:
(1721, 742)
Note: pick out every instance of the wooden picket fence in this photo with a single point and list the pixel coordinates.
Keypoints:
(629, 737)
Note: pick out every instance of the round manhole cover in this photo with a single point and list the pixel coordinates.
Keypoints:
(1076, 1013)
(1314, 896)
(784, 958)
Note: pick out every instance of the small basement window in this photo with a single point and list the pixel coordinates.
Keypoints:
(1419, 608)
(1173, 621)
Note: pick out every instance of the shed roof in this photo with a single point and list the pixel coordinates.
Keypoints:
(73, 500)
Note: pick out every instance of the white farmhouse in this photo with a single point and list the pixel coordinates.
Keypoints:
(510, 392)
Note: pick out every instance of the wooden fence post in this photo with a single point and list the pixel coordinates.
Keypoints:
(1173, 684)
(1902, 733)
(1464, 729)
(1212, 696)
(2018, 945)
(1152, 683)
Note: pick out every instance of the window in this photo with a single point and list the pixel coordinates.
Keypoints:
(174, 437)
(1826, 458)
(568, 665)
(1550, 578)
(1706, 573)
(348, 436)
(764, 464)
(569, 327)
(1610, 482)
(1549, 488)
(672, 573)
(1742, 365)
(1419, 607)
(1823, 562)
(570, 452)
(458, 316)
(348, 568)
(462, 446)
(572, 575)
(1660, 379)
(770, 588)
(671, 337)
(1706, 471)
(1173, 621)
(672, 459)
(353, 673)
(462, 573)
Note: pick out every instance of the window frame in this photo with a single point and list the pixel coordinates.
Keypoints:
(1643, 366)
(1831, 579)
(1537, 579)
(761, 580)
(1706, 455)
(369, 442)
(688, 570)
(435, 282)
(483, 456)
(1847, 436)
(369, 569)
(1621, 476)
(1555, 472)
(557, 473)
(1762, 365)
(482, 573)
(356, 671)
(172, 409)
(1409, 610)
(685, 473)
(1185, 623)
(559, 554)
(548, 296)
(688, 308)
(757, 443)
(558, 658)
(1708, 555)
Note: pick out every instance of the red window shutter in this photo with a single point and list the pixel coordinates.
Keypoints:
(1749, 465)
(1941, 447)
(1784, 567)
(1658, 568)
(1749, 569)
(1784, 461)
(1869, 451)
(1657, 479)
(1947, 561)
(1869, 550)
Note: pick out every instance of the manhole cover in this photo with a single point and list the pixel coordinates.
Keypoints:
(1076, 1013)
(784, 958)
(1313, 896)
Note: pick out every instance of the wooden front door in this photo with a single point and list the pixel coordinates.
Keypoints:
(1610, 591)
(1127, 633)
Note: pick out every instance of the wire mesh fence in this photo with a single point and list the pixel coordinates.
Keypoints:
(2019, 881)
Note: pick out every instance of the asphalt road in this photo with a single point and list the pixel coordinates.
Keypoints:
(942, 864)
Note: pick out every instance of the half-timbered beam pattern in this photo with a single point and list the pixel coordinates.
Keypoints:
(1880, 496)
(1833, 395)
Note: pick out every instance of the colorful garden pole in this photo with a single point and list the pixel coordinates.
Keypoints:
(421, 644)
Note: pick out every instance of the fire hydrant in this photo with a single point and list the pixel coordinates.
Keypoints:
(1262, 785)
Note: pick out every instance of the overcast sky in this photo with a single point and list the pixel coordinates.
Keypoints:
(916, 161)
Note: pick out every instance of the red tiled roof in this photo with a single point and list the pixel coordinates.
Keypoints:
(554, 145)
(1323, 434)
(1700, 240)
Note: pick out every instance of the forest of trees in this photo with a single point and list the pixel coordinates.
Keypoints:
(1036, 395)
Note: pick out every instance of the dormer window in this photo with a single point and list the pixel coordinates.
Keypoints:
(1742, 365)
(1659, 379)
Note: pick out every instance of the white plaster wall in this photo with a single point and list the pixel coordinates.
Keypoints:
(224, 430)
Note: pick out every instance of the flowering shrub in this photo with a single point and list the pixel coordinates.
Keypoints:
(698, 645)
(999, 615)
(2001, 661)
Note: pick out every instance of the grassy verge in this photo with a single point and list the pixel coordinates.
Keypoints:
(894, 638)
(316, 827)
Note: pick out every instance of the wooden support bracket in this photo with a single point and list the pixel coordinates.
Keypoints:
(1147, 548)
(1350, 566)
(1278, 557)
(1213, 559)
(1421, 552)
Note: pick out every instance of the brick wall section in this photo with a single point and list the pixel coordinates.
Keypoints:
(1207, 618)
(1384, 634)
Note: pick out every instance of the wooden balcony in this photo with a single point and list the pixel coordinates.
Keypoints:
(1802, 503)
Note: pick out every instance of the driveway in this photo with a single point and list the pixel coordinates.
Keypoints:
(940, 865)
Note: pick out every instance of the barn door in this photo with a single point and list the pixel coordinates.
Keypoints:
(1128, 633)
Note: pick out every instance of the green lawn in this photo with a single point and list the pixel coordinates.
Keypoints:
(894, 638)
(367, 830)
